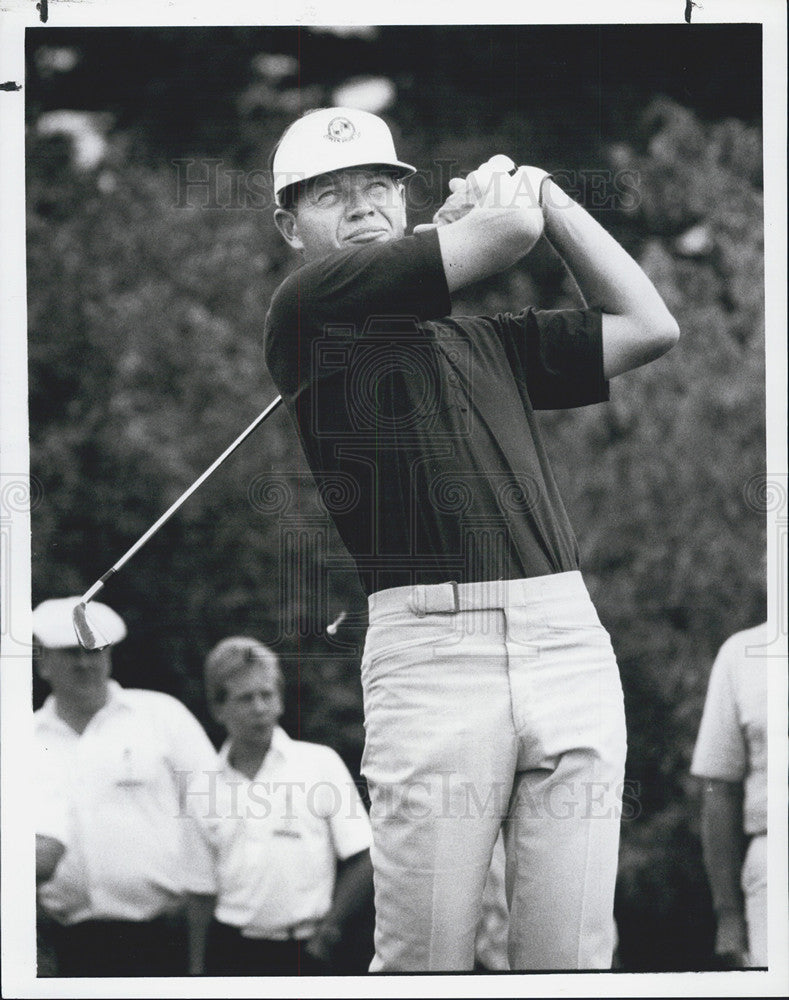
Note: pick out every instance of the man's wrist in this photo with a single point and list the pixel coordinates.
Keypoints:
(552, 197)
(531, 185)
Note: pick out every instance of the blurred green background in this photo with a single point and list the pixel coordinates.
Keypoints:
(147, 297)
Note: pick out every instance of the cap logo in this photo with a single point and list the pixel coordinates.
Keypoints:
(341, 130)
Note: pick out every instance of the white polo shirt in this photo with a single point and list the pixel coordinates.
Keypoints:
(131, 843)
(732, 740)
(278, 836)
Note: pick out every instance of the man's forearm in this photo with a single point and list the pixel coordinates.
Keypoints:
(503, 221)
(199, 912)
(352, 891)
(353, 888)
(637, 325)
(606, 273)
(482, 244)
(722, 841)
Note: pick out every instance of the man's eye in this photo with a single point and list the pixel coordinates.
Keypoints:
(326, 197)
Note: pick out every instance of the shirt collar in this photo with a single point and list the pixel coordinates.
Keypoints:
(280, 748)
(117, 697)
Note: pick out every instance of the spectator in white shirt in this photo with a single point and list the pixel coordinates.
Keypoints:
(288, 830)
(120, 764)
(731, 758)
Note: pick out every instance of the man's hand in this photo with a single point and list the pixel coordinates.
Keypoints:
(323, 942)
(490, 221)
(49, 851)
(731, 939)
(459, 203)
(495, 184)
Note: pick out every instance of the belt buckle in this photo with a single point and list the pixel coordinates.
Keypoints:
(427, 600)
(437, 600)
(417, 602)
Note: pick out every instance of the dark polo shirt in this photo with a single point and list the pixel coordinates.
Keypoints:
(419, 427)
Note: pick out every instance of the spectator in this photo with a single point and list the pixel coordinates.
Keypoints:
(289, 833)
(731, 757)
(120, 761)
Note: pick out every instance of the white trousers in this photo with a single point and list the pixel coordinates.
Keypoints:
(492, 706)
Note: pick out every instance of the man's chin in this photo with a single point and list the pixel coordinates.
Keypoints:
(91, 681)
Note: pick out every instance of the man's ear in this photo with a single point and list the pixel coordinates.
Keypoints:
(281, 708)
(41, 663)
(286, 222)
(401, 192)
(217, 711)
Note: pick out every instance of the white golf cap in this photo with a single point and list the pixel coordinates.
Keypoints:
(53, 623)
(333, 139)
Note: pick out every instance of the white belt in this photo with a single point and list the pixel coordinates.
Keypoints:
(299, 931)
(451, 597)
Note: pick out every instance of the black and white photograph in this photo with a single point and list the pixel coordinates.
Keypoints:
(393, 501)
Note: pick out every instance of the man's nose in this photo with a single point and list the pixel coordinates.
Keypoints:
(358, 204)
(86, 661)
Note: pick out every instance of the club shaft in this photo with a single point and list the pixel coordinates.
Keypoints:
(183, 498)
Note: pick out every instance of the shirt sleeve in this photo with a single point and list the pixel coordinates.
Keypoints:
(558, 354)
(201, 875)
(341, 295)
(343, 808)
(720, 750)
(195, 766)
(190, 753)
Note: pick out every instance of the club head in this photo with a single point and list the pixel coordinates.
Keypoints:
(89, 635)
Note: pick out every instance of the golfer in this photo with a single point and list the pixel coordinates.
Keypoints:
(491, 692)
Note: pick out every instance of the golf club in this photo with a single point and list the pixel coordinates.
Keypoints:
(89, 636)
